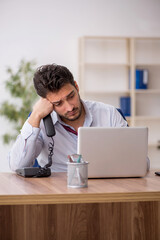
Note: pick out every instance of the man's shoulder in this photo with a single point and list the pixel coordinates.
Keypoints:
(94, 105)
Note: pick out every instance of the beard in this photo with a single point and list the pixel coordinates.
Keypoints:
(73, 117)
(74, 114)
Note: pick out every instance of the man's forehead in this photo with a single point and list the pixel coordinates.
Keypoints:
(61, 94)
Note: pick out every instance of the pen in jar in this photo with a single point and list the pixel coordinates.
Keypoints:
(69, 158)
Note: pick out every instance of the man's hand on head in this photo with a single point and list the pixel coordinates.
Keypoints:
(41, 109)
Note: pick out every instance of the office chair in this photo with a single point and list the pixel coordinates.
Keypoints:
(36, 164)
(120, 111)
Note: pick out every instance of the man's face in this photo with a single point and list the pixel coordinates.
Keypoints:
(66, 102)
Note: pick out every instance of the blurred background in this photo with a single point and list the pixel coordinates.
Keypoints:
(49, 32)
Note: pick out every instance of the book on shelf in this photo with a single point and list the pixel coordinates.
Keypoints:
(141, 79)
(125, 105)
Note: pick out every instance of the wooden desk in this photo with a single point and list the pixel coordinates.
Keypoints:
(44, 208)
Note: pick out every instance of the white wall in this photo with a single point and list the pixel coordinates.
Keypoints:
(48, 32)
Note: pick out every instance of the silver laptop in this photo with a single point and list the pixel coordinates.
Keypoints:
(114, 152)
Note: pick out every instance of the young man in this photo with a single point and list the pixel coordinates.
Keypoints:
(59, 96)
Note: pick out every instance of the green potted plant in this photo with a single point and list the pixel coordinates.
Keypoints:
(20, 86)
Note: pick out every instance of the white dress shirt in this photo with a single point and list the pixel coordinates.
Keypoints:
(33, 142)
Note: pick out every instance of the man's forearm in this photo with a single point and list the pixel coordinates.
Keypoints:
(34, 120)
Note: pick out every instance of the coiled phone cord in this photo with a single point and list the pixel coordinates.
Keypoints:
(50, 149)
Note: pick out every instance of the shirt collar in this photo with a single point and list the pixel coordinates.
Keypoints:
(88, 116)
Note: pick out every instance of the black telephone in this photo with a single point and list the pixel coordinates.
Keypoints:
(41, 171)
(49, 127)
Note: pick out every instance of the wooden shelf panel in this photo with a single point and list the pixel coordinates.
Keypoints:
(106, 64)
(106, 93)
(154, 144)
(147, 118)
(138, 64)
(147, 91)
(105, 37)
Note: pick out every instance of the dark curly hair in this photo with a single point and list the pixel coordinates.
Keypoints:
(51, 78)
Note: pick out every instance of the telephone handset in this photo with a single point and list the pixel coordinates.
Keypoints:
(41, 171)
(49, 127)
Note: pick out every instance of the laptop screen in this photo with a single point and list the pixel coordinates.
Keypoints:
(114, 152)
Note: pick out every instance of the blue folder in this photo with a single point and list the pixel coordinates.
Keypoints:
(141, 79)
(125, 106)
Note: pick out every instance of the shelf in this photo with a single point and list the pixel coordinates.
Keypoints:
(107, 68)
(143, 118)
(106, 93)
(154, 144)
(106, 65)
(147, 64)
(147, 118)
(147, 91)
(105, 37)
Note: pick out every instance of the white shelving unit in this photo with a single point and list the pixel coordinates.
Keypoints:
(105, 66)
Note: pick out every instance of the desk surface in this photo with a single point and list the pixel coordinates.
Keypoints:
(15, 190)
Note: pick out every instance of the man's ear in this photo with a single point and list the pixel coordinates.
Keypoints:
(76, 85)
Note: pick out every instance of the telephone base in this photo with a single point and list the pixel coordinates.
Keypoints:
(34, 172)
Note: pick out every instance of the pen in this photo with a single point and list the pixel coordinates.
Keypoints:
(69, 158)
(79, 158)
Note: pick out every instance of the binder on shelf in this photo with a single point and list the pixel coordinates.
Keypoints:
(125, 105)
(141, 78)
